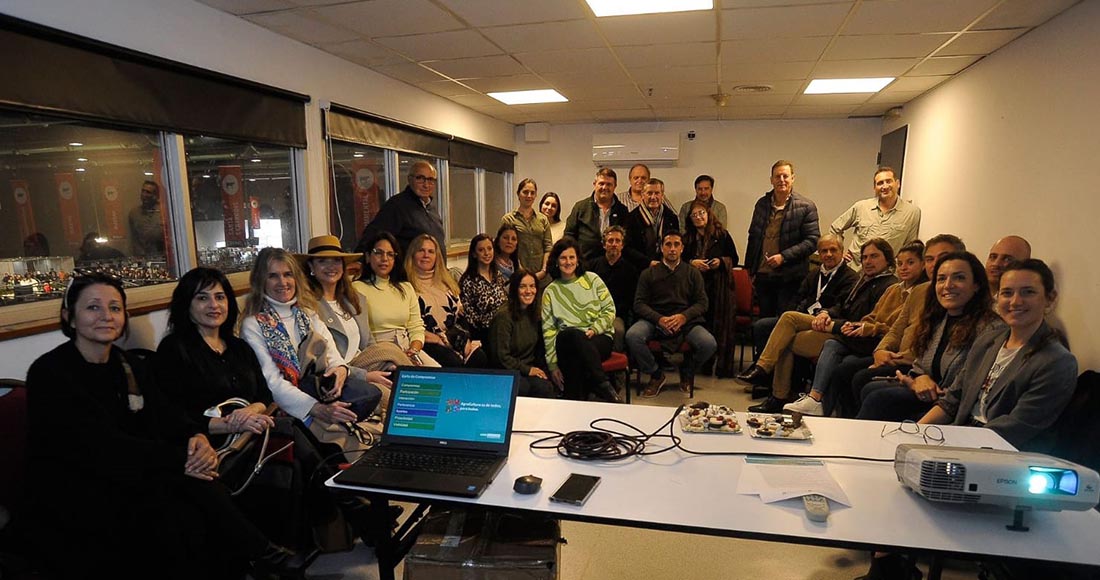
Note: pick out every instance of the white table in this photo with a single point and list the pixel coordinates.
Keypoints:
(697, 494)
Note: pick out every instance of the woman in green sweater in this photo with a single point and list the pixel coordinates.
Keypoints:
(578, 317)
(515, 337)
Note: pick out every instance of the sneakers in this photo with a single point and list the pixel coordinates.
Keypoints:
(807, 406)
(656, 381)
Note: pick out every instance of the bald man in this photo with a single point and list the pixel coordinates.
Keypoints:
(1007, 250)
(409, 213)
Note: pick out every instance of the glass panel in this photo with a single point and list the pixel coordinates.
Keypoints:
(462, 183)
(242, 199)
(359, 174)
(73, 200)
(495, 199)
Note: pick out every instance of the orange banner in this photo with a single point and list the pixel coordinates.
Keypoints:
(158, 177)
(113, 217)
(232, 186)
(21, 191)
(254, 212)
(365, 180)
(70, 209)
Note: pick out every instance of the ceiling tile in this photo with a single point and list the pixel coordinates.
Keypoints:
(628, 115)
(661, 91)
(318, 2)
(783, 22)
(456, 44)
(476, 101)
(546, 36)
(303, 25)
(693, 102)
(498, 12)
(1023, 13)
(669, 54)
(626, 101)
(915, 16)
(484, 66)
(873, 109)
(885, 46)
(598, 91)
(943, 65)
(741, 71)
(697, 26)
(758, 3)
(850, 69)
(653, 75)
(688, 114)
(587, 80)
(818, 112)
(778, 87)
(891, 96)
(408, 72)
(773, 49)
(364, 52)
(983, 42)
(831, 100)
(512, 83)
(761, 99)
(552, 61)
(917, 83)
(240, 7)
(448, 89)
(376, 18)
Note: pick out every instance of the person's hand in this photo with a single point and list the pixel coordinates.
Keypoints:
(247, 419)
(700, 265)
(540, 274)
(851, 328)
(883, 357)
(537, 372)
(923, 387)
(589, 333)
(821, 322)
(341, 373)
(775, 260)
(434, 338)
(202, 460)
(653, 263)
(665, 324)
(379, 378)
(714, 263)
(334, 412)
(558, 380)
(848, 257)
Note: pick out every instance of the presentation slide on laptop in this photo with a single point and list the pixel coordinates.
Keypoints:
(469, 407)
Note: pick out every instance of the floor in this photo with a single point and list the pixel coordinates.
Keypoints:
(614, 553)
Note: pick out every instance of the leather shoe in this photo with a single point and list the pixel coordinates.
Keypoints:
(277, 562)
(755, 376)
(770, 405)
(604, 391)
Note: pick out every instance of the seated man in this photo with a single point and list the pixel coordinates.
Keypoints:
(804, 335)
(670, 303)
(1007, 251)
(621, 277)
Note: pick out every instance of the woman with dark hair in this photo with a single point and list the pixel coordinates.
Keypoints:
(150, 505)
(1017, 379)
(956, 311)
(394, 309)
(578, 318)
(515, 337)
(550, 206)
(446, 336)
(798, 333)
(535, 238)
(482, 286)
(709, 248)
(506, 250)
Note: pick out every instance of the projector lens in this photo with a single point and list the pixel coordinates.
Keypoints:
(1040, 483)
(1048, 480)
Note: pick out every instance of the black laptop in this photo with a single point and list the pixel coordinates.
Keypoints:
(447, 432)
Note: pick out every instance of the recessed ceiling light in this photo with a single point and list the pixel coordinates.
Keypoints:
(357, 155)
(80, 170)
(206, 176)
(76, 144)
(624, 7)
(81, 159)
(830, 86)
(252, 179)
(256, 160)
(529, 97)
(148, 174)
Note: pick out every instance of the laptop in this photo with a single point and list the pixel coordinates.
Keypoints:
(447, 432)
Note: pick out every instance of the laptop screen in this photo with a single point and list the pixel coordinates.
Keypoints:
(452, 408)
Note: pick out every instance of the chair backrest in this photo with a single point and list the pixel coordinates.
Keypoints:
(1077, 430)
(742, 289)
(13, 441)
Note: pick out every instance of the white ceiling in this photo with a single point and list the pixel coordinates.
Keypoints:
(657, 67)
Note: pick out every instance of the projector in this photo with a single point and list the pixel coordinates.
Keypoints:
(1021, 481)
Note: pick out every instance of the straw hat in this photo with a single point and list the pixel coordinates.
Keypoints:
(326, 246)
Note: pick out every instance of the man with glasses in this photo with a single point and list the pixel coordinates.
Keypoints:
(409, 213)
(704, 193)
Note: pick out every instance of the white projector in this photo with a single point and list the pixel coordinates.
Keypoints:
(1021, 481)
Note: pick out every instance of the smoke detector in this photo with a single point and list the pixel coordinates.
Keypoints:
(721, 99)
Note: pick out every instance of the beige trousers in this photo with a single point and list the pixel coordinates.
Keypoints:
(792, 336)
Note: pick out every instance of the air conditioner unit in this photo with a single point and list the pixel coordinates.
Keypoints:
(628, 148)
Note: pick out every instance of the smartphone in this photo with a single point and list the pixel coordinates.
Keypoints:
(576, 489)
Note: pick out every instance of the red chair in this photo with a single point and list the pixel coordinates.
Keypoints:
(615, 364)
(747, 310)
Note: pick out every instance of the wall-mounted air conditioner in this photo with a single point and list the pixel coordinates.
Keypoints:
(629, 148)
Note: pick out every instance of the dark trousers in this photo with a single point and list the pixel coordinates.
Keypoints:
(579, 359)
(774, 295)
(449, 358)
(890, 401)
(536, 387)
(363, 396)
(866, 375)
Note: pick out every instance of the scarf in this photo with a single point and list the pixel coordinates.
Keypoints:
(277, 339)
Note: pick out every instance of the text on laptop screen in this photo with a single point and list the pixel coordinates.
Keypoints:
(444, 405)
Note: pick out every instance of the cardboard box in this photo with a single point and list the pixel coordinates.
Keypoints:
(475, 544)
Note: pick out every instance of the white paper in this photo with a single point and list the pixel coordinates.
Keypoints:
(779, 479)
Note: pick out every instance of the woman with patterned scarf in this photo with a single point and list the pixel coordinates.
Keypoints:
(280, 323)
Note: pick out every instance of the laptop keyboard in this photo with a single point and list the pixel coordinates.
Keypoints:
(429, 462)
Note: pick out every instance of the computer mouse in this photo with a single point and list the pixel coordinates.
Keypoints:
(527, 484)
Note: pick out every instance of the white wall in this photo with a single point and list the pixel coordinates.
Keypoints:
(1011, 146)
(834, 162)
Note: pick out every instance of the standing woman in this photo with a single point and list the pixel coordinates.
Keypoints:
(344, 313)
(147, 504)
(506, 250)
(482, 285)
(394, 309)
(709, 248)
(550, 206)
(578, 318)
(515, 338)
(533, 228)
(281, 325)
(445, 338)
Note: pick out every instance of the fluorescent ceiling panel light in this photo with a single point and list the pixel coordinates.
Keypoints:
(625, 7)
(833, 86)
(529, 97)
